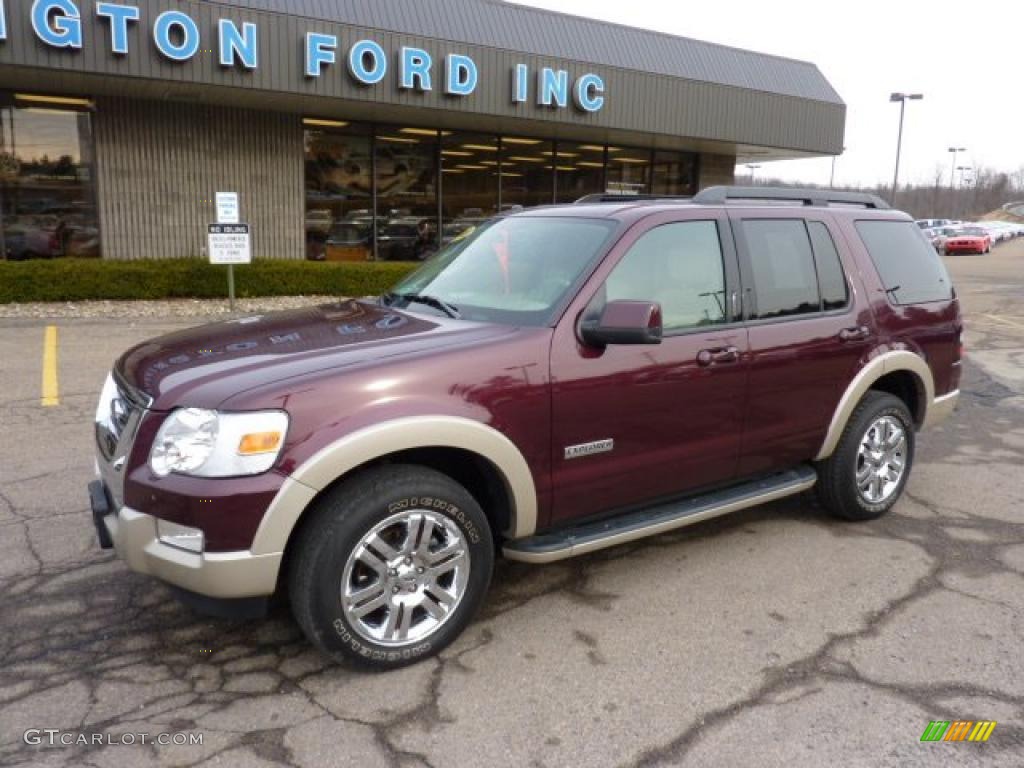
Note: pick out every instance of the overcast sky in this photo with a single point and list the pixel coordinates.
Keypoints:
(966, 58)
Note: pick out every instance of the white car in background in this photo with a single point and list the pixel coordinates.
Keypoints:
(935, 223)
(997, 232)
(1010, 228)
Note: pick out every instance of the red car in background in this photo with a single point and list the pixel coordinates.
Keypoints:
(968, 240)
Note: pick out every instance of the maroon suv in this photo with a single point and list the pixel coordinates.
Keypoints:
(561, 380)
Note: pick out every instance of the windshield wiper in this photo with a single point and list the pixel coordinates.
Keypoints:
(431, 301)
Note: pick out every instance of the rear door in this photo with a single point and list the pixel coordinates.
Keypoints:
(633, 424)
(809, 329)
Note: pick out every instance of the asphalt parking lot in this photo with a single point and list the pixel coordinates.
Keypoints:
(774, 637)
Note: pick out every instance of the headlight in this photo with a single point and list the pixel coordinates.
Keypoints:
(204, 443)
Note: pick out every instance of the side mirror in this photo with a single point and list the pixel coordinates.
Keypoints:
(624, 322)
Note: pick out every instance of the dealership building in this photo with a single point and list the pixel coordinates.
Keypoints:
(357, 129)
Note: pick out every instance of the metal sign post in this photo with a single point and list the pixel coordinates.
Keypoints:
(228, 244)
(231, 287)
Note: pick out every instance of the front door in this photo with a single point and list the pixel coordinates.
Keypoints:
(633, 424)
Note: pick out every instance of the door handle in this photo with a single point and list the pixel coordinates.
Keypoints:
(708, 357)
(856, 333)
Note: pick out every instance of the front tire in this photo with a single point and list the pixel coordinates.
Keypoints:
(391, 568)
(868, 471)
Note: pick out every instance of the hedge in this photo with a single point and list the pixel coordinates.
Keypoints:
(85, 279)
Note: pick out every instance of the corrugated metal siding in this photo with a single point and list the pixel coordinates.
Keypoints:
(645, 102)
(547, 33)
(160, 163)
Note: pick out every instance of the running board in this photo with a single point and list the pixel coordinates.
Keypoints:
(570, 542)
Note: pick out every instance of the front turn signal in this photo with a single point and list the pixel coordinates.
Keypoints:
(259, 442)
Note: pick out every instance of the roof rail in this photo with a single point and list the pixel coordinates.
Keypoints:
(613, 197)
(815, 197)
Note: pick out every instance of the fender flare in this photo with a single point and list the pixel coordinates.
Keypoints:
(876, 368)
(364, 445)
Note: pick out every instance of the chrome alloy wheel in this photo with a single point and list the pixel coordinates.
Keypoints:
(405, 578)
(881, 460)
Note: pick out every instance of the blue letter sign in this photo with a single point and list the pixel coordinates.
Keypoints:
(520, 83)
(119, 16)
(66, 31)
(234, 44)
(177, 36)
(552, 87)
(415, 67)
(357, 62)
(460, 75)
(319, 51)
(188, 30)
(586, 94)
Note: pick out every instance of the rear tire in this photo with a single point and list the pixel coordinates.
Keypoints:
(866, 474)
(391, 568)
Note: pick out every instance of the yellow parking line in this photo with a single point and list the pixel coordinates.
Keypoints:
(51, 395)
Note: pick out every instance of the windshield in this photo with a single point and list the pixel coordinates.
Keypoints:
(517, 270)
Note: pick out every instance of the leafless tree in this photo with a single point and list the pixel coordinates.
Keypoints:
(971, 196)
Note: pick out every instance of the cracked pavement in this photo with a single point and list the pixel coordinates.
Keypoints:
(772, 637)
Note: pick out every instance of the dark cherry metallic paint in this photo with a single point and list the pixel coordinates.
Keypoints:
(799, 366)
(335, 369)
(930, 330)
(699, 409)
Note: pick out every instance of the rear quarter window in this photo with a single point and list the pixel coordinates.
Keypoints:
(910, 269)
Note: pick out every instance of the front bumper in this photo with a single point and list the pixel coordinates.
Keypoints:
(964, 248)
(133, 536)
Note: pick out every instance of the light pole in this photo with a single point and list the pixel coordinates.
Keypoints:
(832, 177)
(902, 99)
(952, 170)
(752, 167)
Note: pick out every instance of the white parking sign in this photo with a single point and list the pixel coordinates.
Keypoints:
(229, 244)
(227, 207)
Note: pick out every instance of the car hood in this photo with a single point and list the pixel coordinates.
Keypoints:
(205, 365)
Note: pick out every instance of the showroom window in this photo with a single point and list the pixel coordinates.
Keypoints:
(674, 173)
(406, 193)
(398, 193)
(47, 187)
(339, 191)
(469, 181)
(580, 171)
(527, 172)
(628, 171)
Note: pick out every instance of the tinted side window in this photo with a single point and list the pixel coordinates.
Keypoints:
(782, 267)
(679, 266)
(831, 279)
(910, 269)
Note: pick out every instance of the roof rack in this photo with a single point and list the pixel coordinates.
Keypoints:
(612, 197)
(815, 197)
